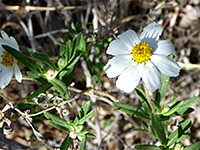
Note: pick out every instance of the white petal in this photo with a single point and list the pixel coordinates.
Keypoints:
(9, 43)
(129, 38)
(117, 64)
(116, 47)
(166, 66)
(18, 74)
(128, 80)
(164, 47)
(151, 34)
(150, 75)
(14, 43)
(153, 30)
(5, 77)
(4, 35)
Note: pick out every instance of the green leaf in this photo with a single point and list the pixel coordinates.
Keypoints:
(130, 109)
(143, 100)
(83, 142)
(145, 125)
(78, 28)
(92, 71)
(72, 32)
(57, 120)
(86, 117)
(165, 82)
(91, 135)
(66, 143)
(74, 59)
(158, 129)
(44, 58)
(80, 43)
(82, 115)
(179, 132)
(173, 109)
(142, 130)
(68, 77)
(22, 58)
(37, 78)
(53, 124)
(195, 146)
(162, 91)
(39, 91)
(149, 147)
(157, 106)
(60, 87)
(184, 108)
(85, 107)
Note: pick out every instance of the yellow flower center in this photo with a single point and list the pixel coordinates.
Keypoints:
(7, 59)
(141, 52)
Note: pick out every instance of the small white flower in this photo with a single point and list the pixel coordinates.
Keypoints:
(8, 62)
(144, 57)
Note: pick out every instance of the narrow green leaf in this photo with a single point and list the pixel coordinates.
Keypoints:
(86, 117)
(195, 146)
(156, 105)
(22, 58)
(173, 109)
(78, 27)
(165, 82)
(83, 111)
(74, 59)
(57, 120)
(142, 130)
(90, 135)
(83, 142)
(158, 129)
(85, 107)
(66, 143)
(71, 31)
(68, 77)
(92, 71)
(184, 108)
(60, 87)
(44, 58)
(53, 124)
(37, 78)
(145, 125)
(143, 100)
(39, 91)
(180, 131)
(149, 147)
(130, 109)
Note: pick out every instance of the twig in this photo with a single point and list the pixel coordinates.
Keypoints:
(37, 8)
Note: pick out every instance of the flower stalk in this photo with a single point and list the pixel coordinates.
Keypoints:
(148, 98)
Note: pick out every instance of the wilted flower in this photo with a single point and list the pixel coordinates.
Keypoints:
(144, 58)
(8, 62)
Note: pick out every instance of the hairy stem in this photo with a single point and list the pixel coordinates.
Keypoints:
(148, 98)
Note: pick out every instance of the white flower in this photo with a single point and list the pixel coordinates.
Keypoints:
(144, 57)
(8, 62)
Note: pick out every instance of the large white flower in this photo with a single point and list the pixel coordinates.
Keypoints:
(144, 57)
(7, 62)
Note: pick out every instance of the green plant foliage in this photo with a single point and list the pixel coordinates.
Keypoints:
(150, 147)
(179, 133)
(195, 146)
(158, 129)
(75, 126)
(143, 100)
(133, 110)
(22, 58)
(44, 58)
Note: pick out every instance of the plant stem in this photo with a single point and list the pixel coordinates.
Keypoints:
(148, 98)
